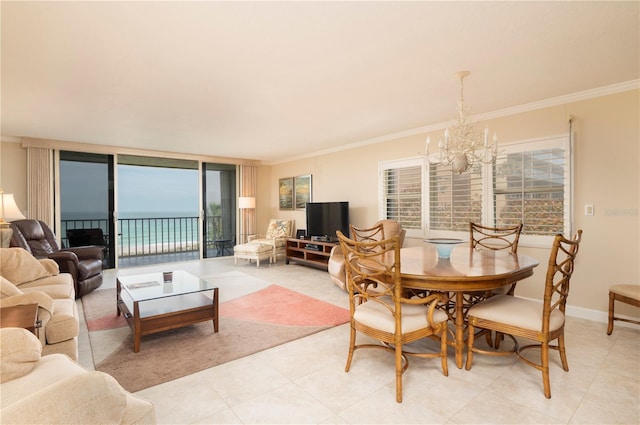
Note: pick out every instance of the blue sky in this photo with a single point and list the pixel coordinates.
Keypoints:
(149, 191)
(141, 192)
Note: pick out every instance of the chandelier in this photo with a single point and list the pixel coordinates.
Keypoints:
(464, 145)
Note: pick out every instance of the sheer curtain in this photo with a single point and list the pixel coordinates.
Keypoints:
(247, 188)
(40, 185)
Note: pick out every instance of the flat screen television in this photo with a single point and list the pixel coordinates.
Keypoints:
(325, 218)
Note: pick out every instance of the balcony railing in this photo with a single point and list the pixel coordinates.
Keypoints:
(152, 235)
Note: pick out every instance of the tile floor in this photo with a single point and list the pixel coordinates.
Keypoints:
(304, 381)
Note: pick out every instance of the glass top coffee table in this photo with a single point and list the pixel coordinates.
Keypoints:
(152, 305)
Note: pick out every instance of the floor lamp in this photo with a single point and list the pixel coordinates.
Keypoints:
(248, 219)
(9, 211)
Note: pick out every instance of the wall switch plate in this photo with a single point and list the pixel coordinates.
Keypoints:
(588, 209)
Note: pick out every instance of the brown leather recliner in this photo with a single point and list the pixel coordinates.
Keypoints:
(83, 263)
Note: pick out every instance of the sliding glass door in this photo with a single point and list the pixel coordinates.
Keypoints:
(86, 201)
(158, 207)
(219, 203)
(147, 210)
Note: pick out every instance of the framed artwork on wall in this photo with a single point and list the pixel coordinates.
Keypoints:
(302, 186)
(285, 193)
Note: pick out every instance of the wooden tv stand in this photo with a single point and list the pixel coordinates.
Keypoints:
(303, 251)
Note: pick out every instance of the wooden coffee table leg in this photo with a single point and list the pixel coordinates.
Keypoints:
(215, 310)
(118, 297)
(136, 327)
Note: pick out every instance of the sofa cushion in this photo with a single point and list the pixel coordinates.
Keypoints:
(49, 370)
(44, 301)
(61, 391)
(8, 289)
(51, 266)
(90, 398)
(278, 243)
(19, 351)
(64, 323)
(57, 287)
(18, 266)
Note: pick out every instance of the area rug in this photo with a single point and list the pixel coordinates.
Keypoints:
(259, 316)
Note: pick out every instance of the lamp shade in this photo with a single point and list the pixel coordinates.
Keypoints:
(246, 202)
(9, 211)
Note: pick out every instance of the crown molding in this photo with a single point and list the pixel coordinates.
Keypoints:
(527, 107)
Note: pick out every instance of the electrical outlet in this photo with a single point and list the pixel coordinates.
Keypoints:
(588, 209)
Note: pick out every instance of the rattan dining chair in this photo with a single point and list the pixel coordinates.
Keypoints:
(530, 319)
(495, 239)
(379, 309)
(368, 234)
(628, 294)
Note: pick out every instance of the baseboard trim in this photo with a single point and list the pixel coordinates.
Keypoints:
(593, 315)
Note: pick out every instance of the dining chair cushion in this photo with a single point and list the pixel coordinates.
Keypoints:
(515, 311)
(376, 315)
(629, 291)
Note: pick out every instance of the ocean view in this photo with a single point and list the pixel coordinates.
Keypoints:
(142, 233)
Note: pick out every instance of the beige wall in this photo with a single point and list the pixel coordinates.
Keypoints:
(13, 172)
(607, 158)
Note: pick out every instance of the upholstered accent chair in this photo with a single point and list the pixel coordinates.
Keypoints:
(84, 263)
(336, 266)
(269, 245)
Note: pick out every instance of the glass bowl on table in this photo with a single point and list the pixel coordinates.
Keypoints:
(444, 245)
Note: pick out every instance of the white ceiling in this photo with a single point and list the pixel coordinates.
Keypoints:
(272, 80)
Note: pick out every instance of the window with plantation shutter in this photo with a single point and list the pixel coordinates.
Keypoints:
(531, 185)
(402, 193)
(454, 199)
(529, 182)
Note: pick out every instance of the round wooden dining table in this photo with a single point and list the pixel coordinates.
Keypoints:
(466, 271)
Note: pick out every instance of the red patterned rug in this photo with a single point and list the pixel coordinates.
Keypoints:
(248, 324)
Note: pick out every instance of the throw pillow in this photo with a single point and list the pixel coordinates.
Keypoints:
(51, 266)
(277, 229)
(20, 351)
(18, 266)
(8, 289)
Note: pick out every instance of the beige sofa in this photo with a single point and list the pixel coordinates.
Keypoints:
(54, 389)
(27, 280)
(336, 267)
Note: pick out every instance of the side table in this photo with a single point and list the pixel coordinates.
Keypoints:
(20, 316)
